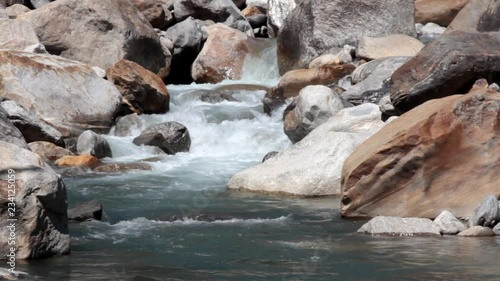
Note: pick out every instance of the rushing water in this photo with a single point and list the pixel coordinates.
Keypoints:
(249, 237)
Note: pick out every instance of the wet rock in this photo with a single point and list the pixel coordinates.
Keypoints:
(223, 11)
(153, 11)
(441, 12)
(477, 231)
(93, 144)
(425, 156)
(318, 27)
(127, 125)
(49, 151)
(214, 97)
(41, 197)
(270, 155)
(171, 137)
(8, 132)
(277, 12)
(66, 94)
(395, 45)
(188, 38)
(91, 210)
(449, 65)
(294, 81)
(313, 107)
(448, 224)
(122, 167)
(84, 161)
(477, 16)
(312, 166)
(17, 35)
(486, 214)
(224, 54)
(109, 30)
(396, 226)
(16, 10)
(142, 90)
(32, 128)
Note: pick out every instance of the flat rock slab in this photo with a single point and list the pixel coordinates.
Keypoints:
(477, 231)
(396, 226)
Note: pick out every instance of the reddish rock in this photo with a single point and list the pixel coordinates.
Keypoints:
(153, 11)
(444, 154)
(441, 12)
(478, 16)
(88, 161)
(142, 90)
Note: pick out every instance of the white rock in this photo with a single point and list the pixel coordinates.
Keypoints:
(432, 28)
(276, 14)
(312, 167)
(396, 226)
(448, 223)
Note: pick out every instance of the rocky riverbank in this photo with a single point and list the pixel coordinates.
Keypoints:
(392, 105)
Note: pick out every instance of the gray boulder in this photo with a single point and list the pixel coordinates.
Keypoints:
(486, 214)
(42, 220)
(448, 223)
(396, 226)
(91, 210)
(188, 38)
(91, 143)
(99, 33)
(171, 137)
(223, 11)
(318, 27)
(313, 166)
(277, 12)
(8, 132)
(477, 231)
(32, 128)
(125, 126)
(65, 94)
(313, 107)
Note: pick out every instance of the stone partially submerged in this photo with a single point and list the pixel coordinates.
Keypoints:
(448, 224)
(396, 226)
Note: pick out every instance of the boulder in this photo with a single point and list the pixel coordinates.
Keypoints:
(49, 151)
(313, 107)
(93, 144)
(496, 229)
(224, 54)
(65, 94)
(84, 161)
(373, 80)
(153, 11)
(40, 201)
(223, 11)
(17, 35)
(396, 226)
(277, 12)
(447, 66)
(32, 128)
(294, 81)
(99, 33)
(187, 38)
(477, 16)
(142, 90)
(125, 126)
(16, 10)
(441, 12)
(440, 155)
(122, 167)
(394, 45)
(312, 166)
(477, 231)
(171, 137)
(8, 132)
(448, 224)
(318, 27)
(486, 214)
(91, 210)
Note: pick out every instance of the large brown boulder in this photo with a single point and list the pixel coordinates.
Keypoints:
(317, 27)
(142, 90)
(66, 94)
(99, 33)
(223, 55)
(441, 12)
(40, 201)
(449, 65)
(478, 16)
(442, 155)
